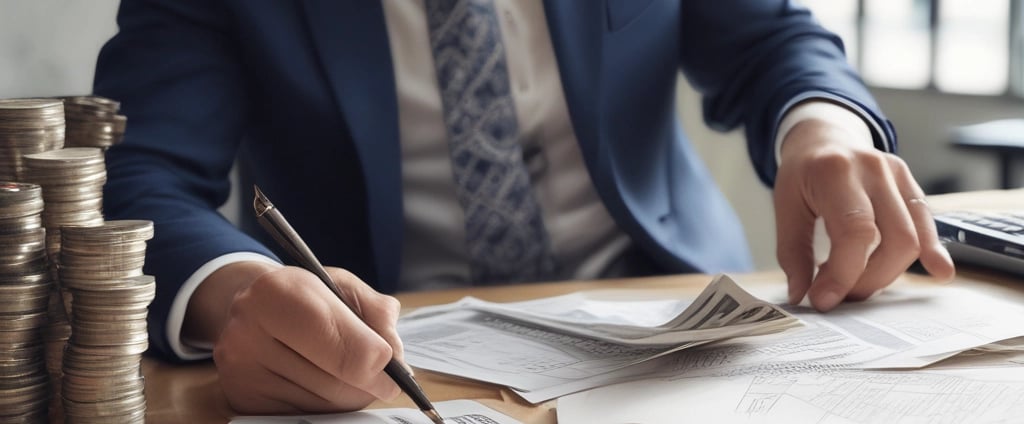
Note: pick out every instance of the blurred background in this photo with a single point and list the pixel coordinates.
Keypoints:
(933, 65)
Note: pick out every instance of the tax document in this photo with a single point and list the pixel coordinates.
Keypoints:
(453, 411)
(545, 347)
(858, 364)
(903, 328)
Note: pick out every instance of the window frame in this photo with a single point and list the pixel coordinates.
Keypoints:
(1015, 76)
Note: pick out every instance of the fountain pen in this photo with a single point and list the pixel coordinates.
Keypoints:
(271, 219)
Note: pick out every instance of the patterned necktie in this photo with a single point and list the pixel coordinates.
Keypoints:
(505, 234)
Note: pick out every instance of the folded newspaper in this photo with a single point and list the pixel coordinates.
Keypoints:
(554, 346)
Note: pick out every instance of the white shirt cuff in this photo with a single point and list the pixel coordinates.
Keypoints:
(849, 114)
(176, 317)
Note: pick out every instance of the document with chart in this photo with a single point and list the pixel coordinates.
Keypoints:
(556, 344)
(861, 363)
(905, 328)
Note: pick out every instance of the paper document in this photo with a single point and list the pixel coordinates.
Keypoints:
(823, 372)
(990, 395)
(909, 327)
(566, 343)
(454, 412)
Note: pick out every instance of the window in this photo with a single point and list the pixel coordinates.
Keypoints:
(955, 46)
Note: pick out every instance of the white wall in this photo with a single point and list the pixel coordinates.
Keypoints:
(49, 47)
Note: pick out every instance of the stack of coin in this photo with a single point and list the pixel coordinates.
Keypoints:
(72, 179)
(28, 126)
(101, 266)
(93, 121)
(25, 283)
(72, 183)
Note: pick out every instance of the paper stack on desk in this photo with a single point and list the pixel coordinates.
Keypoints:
(554, 346)
(860, 363)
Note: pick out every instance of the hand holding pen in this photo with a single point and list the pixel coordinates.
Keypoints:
(284, 344)
(274, 222)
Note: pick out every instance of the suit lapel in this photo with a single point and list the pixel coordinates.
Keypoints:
(577, 31)
(352, 41)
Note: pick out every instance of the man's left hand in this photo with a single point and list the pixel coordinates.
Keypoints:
(874, 214)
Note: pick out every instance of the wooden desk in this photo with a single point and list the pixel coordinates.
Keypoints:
(191, 393)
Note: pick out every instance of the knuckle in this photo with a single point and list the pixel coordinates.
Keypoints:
(896, 163)
(831, 162)
(873, 161)
(858, 227)
(388, 304)
(269, 284)
(905, 244)
(364, 360)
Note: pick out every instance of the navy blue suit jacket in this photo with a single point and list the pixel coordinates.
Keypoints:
(303, 93)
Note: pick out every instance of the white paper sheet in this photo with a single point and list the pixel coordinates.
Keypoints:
(454, 412)
(990, 395)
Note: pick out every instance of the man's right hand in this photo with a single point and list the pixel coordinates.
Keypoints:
(289, 345)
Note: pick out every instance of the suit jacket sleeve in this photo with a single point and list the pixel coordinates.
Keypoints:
(750, 59)
(180, 85)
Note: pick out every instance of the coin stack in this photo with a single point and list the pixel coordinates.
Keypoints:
(72, 184)
(72, 180)
(93, 121)
(101, 266)
(28, 126)
(25, 282)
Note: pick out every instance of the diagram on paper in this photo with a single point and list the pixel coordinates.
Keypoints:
(884, 397)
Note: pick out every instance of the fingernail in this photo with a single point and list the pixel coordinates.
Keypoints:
(827, 301)
(795, 297)
(793, 300)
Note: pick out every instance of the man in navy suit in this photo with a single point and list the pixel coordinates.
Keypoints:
(347, 114)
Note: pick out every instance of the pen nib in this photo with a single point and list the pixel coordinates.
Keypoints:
(434, 416)
(261, 203)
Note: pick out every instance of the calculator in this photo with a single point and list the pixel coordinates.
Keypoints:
(990, 239)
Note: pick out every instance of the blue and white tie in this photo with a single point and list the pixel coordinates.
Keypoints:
(505, 234)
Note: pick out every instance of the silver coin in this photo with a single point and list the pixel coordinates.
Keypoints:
(67, 157)
(119, 231)
(22, 322)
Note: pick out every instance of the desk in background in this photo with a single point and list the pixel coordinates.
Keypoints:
(1003, 138)
(191, 394)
